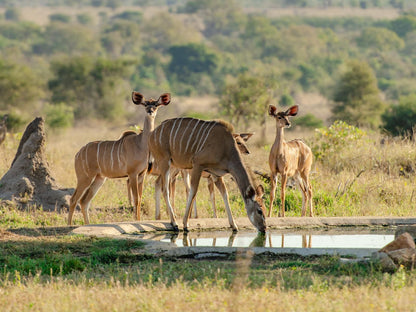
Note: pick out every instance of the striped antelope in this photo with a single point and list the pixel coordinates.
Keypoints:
(293, 158)
(240, 139)
(125, 157)
(188, 143)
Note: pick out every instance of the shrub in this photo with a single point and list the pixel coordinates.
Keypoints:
(334, 138)
(59, 116)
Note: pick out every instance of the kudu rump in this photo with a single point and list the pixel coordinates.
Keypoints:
(188, 143)
(292, 158)
(126, 157)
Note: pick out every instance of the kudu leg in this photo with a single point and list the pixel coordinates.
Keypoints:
(212, 195)
(166, 195)
(158, 192)
(195, 177)
(273, 181)
(86, 198)
(282, 196)
(140, 184)
(223, 190)
(82, 187)
(187, 182)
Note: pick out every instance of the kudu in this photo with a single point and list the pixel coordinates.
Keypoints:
(292, 158)
(240, 139)
(198, 145)
(125, 157)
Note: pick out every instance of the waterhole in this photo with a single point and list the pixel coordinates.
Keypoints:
(334, 238)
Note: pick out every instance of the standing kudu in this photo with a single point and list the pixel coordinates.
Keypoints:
(126, 157)
(293, 158)
(188, 143)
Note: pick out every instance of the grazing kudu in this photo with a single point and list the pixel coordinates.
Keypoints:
(292, 158)
(199, 145)
(125, 157)
(3, 128)
(240, 139)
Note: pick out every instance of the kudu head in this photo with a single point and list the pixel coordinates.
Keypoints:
(241, 139)
(282, 118)
(151, 105)
(256, 210)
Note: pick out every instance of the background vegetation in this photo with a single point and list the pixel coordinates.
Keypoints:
(88, 55)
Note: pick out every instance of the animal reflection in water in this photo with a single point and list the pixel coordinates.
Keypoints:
(222, 239)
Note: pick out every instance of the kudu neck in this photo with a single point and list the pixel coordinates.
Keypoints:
(149, 124)
(279, 140)
(239, 172)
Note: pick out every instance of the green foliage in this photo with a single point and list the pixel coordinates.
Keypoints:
(59, 116)
(12, 14)
(400, 119)
(404, 25)
(309, 121)
(331, 140)
(380, 39)
(245, 100)
(60, 17)
(84, 19)
(19, 86)
(14, 121)
(91, 86)
(67, 39)
(357, 98)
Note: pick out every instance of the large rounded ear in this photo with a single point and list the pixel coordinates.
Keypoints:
(164, 99)
(246, 136)
(272, 110)
(250, 192)
(137, 98)
(260, 190)
(293, 111)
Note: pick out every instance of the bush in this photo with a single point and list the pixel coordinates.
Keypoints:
(401, 119)
(309, 121)
(59, 116)
(334, 138)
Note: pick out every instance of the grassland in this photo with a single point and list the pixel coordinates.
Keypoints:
(356, 173)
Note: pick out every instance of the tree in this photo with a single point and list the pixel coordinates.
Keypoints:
(192, 64)
(19, 87)
(93, 87)
(357, 97)
(400, 119)
(245, 100)
(380, 39)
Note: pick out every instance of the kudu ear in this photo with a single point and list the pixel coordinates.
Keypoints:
(137, 98)
(260, 190)
(250, 192)
(246, 136)
(272, 110)
(293, 111)
(164, 99)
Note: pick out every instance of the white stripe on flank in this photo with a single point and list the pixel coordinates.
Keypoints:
(86, 159)
(118, 153)
(206, 137)
(191, 135)
(177, 129)
(112, 158)
(161, 131)
(171, 130)
(183, 134)
(202, 127)
(98, 155)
